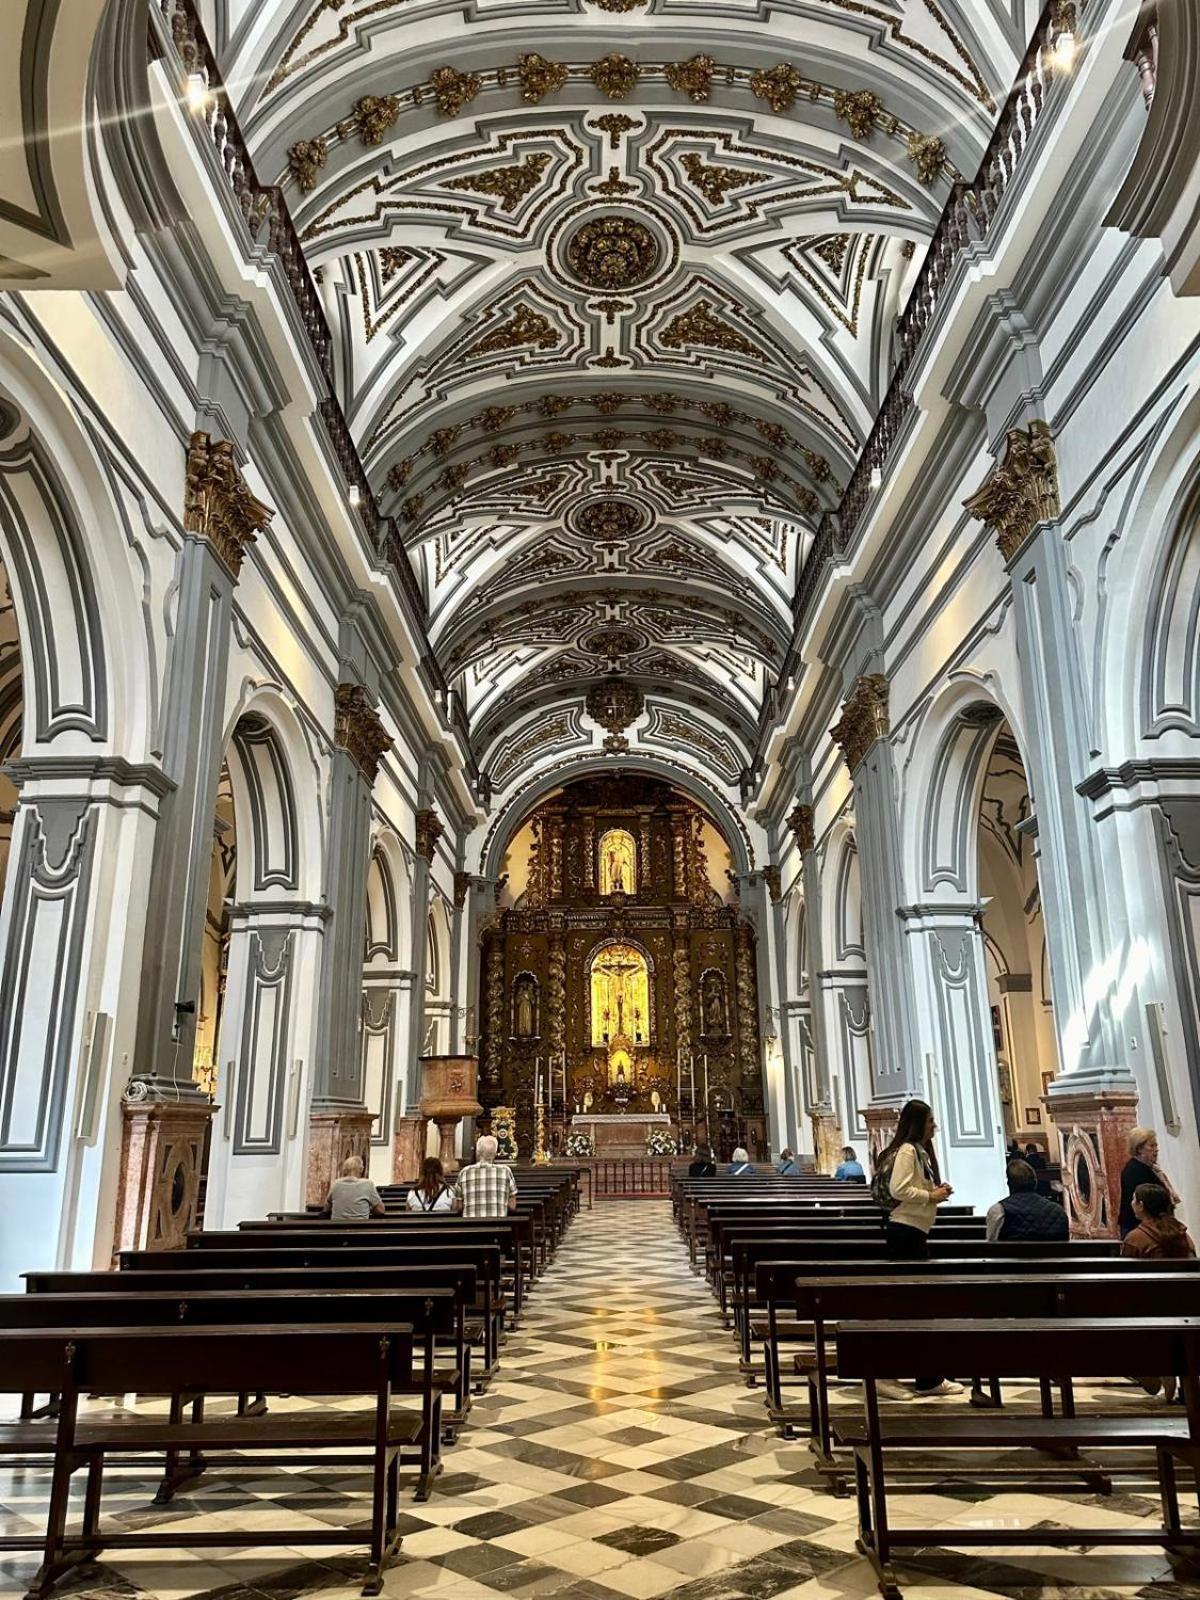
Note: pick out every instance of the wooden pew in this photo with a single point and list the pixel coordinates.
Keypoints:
(1052, 1288)
(1049, 1351)
(428, 1314)
(356, 1359)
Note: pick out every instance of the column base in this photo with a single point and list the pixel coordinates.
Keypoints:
(881, 1122)
(1092, 1126)
(827, 1141)
(162, 1163)
(408, 1149)
(332, 1137)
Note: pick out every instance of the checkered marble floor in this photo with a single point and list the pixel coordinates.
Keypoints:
(618, 1456)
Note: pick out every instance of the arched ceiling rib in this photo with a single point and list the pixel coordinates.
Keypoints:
(613, 286)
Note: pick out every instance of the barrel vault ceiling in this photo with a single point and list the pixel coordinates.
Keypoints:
(613, 284)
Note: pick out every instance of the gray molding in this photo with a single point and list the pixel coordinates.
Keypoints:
(266, 1020)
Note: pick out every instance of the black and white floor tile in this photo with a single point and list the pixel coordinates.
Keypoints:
(618, 1456)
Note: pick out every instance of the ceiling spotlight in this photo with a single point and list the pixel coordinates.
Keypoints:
(355, 496)
(876, 477)
(196, 92)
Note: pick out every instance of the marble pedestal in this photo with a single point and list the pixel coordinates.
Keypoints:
(162, 1154)
(881, 1124)
(1092, 1126)
(332, 1137)
(827, 1142)
(408, 1149)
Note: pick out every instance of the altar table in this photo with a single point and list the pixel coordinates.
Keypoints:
(622, 1134)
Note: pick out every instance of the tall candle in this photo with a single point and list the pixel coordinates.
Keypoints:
(564, 1067)
(706, 1091)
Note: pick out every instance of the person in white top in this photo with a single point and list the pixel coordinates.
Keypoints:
(916, 1191)
(433, 1193)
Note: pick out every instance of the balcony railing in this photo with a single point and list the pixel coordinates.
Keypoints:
(966, 222)
(270, 225)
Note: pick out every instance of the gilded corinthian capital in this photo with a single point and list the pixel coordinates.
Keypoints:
(358, 730)
(217, 505)
(864, 718)
(1021, 490)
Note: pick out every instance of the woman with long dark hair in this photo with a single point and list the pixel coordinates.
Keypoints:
(433, 1193)
(908, 1168)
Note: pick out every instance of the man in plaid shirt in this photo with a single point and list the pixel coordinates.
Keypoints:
(487, 1189)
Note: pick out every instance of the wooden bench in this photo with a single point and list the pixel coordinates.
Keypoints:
(340, 1359)
(1049, 1351)
(428, 1314)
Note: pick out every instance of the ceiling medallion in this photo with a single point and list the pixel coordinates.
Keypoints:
(612, 253)
(374, 116)
(693, 78)
(615, 76)
(858, 109)
(778, 86)
(928, 155)
(453, 90)
(615, 704)
(539, 77)
(608, 520)
(614, 642)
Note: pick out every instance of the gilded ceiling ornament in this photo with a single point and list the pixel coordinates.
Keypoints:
(305, 160)
(1021, 490)
(453, 477)
(217, 505)
(502, 455)
(764, 468)
(927, 154)
(615, 76)
(357, 729)
(614, 184)
(615, 704)
(832, 250)
(858, 109)
(772, 433)
(391, 258)
(399, 474)
(525, 326)
(663, 402)
(608, 401)
(716, 448)
(604, 521)
(614, 124)
(701, 326)
(410, 509)
(802, 823)
(714, 182)
(429, 829)
(539, 77)
(374, 115)
(453, 89)
(608, 359)
(553, 405)
(717, 411)
(441, 439)
(692, 78)
(663, 439)
(609, 438)
(778, 86)
(806, 501)
(492, 418)
(817, 466)
(864, 718)
(509, 185)
(555, 443)
(612, 252)
(618, 5)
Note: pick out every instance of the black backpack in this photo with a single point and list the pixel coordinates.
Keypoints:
(881, 1183)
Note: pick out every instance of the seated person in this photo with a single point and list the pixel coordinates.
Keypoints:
(1158, 1233)
(488, 1188)
(741, 1165)
(353, 1198)
(702, 1164)
(850, 1167)
(433, 1193)
(788, 1166)
(1025, 1214)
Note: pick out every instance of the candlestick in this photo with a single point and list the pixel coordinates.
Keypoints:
(706, 1127)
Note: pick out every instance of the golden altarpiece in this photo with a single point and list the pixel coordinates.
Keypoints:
(622, 978)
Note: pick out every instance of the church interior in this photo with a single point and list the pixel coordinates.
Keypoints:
(600, 799)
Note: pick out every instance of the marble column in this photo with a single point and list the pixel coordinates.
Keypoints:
(827, 1135)
(82, 840)
(1086, 930)
(339, 1120)
(221, 517)
(862, 735)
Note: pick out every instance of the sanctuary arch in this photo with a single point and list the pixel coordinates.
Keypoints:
(620, 968)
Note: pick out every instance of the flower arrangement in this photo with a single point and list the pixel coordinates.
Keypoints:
(579, 1146)
(660, 1143)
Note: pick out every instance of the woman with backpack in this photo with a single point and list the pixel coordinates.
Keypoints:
(909, 1190)
(433, 1193)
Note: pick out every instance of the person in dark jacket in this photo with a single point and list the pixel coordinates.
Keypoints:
(1025, 1214)
(702, 1163)
(1142, 1167)
(1158, 1234)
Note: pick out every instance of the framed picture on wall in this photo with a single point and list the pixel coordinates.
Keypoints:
(1047, 1080)
(997, 1030)
(1033, 1117)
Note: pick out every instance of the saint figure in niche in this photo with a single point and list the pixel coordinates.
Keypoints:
(525, 1006)
(712, 1003)
(618, 862)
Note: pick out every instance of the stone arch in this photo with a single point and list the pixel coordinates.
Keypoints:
(383, 911)
(517, 807)
(1169, 654)
(279, 830)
